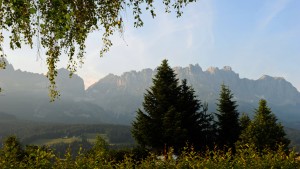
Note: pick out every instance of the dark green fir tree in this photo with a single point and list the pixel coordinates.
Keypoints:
(195, 119)
(171, 114)
(264, 132)
(244, 121)
(228, 128)
(159, 100)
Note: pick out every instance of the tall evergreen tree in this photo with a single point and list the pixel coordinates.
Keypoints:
(171, 113)
(228, 128)
(264, 131)
(160, 99)
(194, 118)
(244, 121)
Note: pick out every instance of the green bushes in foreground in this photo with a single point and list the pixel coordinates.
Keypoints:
(100, 157)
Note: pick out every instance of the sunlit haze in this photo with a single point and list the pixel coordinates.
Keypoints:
(253, 37)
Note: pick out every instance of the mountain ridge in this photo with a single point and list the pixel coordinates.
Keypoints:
(123, 94)
(115, 98)
(195, 72)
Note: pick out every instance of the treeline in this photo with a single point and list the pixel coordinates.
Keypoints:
(29, 132)
(173, 116)
(115, 133)
(84, 145)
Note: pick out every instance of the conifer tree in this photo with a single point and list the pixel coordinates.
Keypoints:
(159, 100)
(195, 118)
(171, 114)
(228, 128)
(244, 121)
(264, 132)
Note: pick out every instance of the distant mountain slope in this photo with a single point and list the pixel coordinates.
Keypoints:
(25, 96)
(121, 94)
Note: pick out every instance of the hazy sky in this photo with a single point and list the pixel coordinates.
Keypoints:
(254, 37)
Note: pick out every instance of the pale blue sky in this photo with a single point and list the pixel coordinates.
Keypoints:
(254, 37)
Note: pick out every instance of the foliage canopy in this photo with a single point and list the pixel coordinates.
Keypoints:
(63, 26)
(246, 157)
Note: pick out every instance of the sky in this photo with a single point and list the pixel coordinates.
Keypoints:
(255, 38)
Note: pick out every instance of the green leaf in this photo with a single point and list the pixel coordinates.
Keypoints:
(32, 10)
(67, 16)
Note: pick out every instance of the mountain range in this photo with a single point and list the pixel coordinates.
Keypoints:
(115, 99)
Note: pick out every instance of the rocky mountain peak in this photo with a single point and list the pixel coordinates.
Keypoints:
(70, 86)
(212, 70)
(227, 68)
(267, 77)
(195, 68)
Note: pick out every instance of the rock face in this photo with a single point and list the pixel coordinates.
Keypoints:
(121, 94)
(124, 94)
(207, 83)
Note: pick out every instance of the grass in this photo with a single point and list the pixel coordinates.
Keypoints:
(55, 141)
(91, 137)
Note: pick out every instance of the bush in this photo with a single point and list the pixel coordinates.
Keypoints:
(246, 156)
